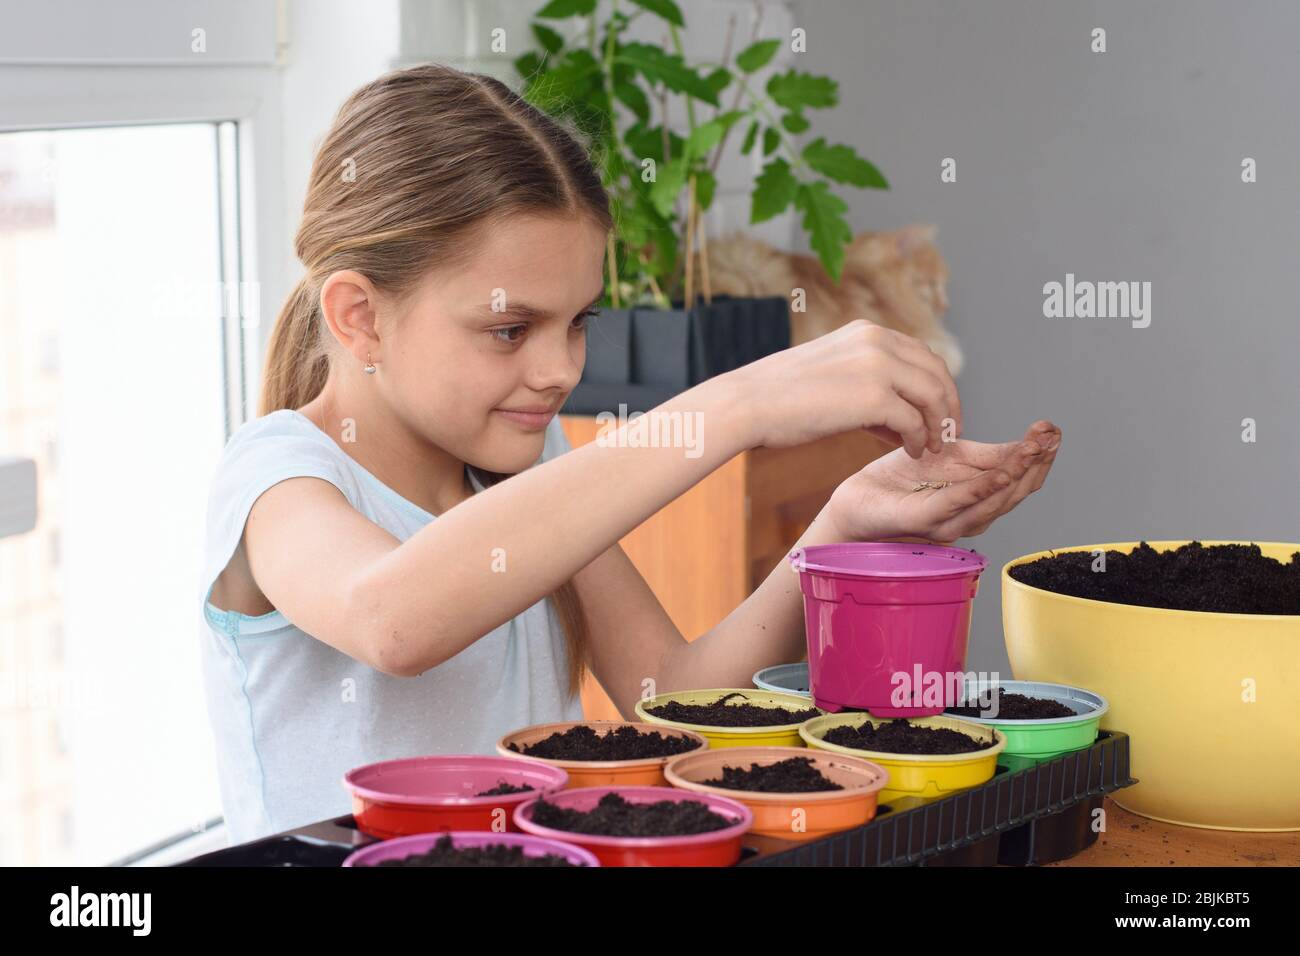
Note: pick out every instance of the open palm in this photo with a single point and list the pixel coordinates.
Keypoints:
(954, 493)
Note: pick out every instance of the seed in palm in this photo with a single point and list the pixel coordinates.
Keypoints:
(922, 486)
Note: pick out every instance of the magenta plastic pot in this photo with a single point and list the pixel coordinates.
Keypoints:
(887, 624)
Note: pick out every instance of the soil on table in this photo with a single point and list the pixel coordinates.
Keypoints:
(793, 775)
(1222, 578)
(1016, 707)
(503, 788)
(444, 853)
(615, 816)
(582, 742)
(719, 713)
(900, 737)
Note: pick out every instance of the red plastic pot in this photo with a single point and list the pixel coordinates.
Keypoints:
(716, 848)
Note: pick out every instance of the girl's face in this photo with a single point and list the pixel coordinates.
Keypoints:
(486, 356)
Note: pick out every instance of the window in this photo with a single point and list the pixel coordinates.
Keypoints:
(126, 351)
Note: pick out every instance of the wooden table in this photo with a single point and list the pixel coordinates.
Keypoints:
(1131, 840)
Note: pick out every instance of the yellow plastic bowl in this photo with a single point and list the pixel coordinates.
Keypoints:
(924, 776)
(778, 735)
(1178, 683)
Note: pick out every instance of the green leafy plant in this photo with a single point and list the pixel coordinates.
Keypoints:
(661, 181)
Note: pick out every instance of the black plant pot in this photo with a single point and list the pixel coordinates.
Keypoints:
(642, 357)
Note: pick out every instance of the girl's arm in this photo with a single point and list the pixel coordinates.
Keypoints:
(407, 606)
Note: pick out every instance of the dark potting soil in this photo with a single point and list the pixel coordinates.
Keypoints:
(719, 713)
(614, 816)
(443, 853)
(1223, 578)
(900, 737)
(503, 788)
(622, 743)
(1016, 707)
(793, 775)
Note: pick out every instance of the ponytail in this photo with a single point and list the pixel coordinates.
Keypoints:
(297, 363)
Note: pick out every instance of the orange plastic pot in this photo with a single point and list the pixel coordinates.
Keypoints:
(715, 848)
(643, 772)
(789, 816)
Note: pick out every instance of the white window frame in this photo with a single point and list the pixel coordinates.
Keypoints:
(60, 95)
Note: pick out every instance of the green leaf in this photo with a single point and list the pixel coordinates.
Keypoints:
(650, 228)
(771, 140)
(719, 79)
(574, 79)
(634, 98)
(706, 185)
(794, 90)
(774, 190)
(669, 180)
(707, 135)
(664, 8)
(671, 70)
(560, 9)
(795, 122)
(757, 55)
(750, 136)
(550, 41)
(529, 65)
(842, 164)
(823, 220)
(649, 142)
(703, 138)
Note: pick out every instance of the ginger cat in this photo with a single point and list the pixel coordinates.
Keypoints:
(895, 279)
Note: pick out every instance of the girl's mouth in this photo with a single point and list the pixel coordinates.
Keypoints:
(533, 419)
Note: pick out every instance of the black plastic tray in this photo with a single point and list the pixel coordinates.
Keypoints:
(1027, 817)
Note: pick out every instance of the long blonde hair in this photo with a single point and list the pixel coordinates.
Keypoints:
(416, 165)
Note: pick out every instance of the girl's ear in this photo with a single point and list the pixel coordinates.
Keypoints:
(348, 302)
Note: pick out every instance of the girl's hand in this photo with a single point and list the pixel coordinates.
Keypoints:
(896, 497)
(859, 376)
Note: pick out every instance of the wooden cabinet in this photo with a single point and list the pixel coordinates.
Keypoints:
(705, 552)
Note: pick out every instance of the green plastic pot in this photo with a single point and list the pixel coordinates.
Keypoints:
(1032, 741)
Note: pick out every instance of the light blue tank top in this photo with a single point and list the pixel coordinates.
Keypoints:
(290, 714)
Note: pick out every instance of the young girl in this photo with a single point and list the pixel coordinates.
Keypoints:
(454, 241)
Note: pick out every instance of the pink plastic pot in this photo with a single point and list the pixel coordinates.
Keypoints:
(880, 615)
(462, 839)
(411, 795)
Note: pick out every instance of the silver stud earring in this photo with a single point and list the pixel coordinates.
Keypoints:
(370, 366)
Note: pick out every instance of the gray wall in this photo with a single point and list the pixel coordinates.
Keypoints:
(1124, 165)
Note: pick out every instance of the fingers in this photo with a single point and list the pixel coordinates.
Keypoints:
(994, 455)
(1037, 473)
(979, 514)
(924, 391)
(918, 352)
(1032, 468)
(953, 500)
(903, 419)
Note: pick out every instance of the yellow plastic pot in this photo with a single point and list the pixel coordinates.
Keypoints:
(924, 776)
(1211, 701)
(777, 735)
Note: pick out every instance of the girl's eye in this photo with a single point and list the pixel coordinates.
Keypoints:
(503, 335)
(507, 335)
